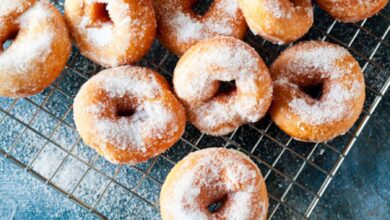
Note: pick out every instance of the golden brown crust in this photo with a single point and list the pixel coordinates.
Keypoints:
(351, 10)
(179, 27)
(128, 139)
(112, 34)
(307, 64)
(214, 173)
(199, 73)
(279, 21)
(38, 54)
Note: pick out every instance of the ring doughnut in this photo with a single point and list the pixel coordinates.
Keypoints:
(128, 114)
(40, 47)
(279, 21)
(310, 118)
(351, 10)
(179, 27)
(202, 69)
(112, 32)
(211, 176)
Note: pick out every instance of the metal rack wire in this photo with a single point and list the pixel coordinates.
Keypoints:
(40, 129)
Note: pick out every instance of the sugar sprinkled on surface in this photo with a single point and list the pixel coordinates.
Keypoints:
(48, 160)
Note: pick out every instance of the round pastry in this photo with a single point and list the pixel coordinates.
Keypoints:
(209, 64)
(279, 21)
(128, 114)
(351, 10)
(112, 32)
(40, 46)
(179, 27)
(334, 72)
(214, 183)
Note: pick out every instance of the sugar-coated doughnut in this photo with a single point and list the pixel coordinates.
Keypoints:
(128, 114)
(179, 27)
(279, 21)
(211, 176)
(199, 73)
(39, 50)
(352, 10)
(311, 63)
(112, 32)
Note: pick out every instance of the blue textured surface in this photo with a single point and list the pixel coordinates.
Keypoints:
(361, 189)
(24, 197)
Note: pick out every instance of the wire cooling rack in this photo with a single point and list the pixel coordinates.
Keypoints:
(38, 134)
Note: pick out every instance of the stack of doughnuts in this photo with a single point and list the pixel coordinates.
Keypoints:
(130, 114)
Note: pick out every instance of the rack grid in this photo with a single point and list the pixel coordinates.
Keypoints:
(38, 134)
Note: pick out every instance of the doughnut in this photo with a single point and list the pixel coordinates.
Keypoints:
(128, 114)
(203, 69)
(351, 10)
(334, 72)
(179, 27)
(112, 32)
(39, 50)
(214, 176)
(279, 21)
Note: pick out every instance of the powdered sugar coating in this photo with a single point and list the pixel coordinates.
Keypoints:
(205, 175)
(352, 11)
(123, 39)
(187, 27)
(279, 21)
(322, 59)
(18, 57)
(197, 76)
(7, 6)
(154, 121)
(277, 9)
(179, 22)
(311, 63)
(331, 108)
(150, 119)
(33, 59)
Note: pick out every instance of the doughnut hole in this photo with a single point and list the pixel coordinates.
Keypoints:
(295, 3)
(315, 91)
(126, 107)
(217, 204)
(225, 88)
(126, 112)
(9, 38)
(214, 197)
(201, 7)
(99, 14)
